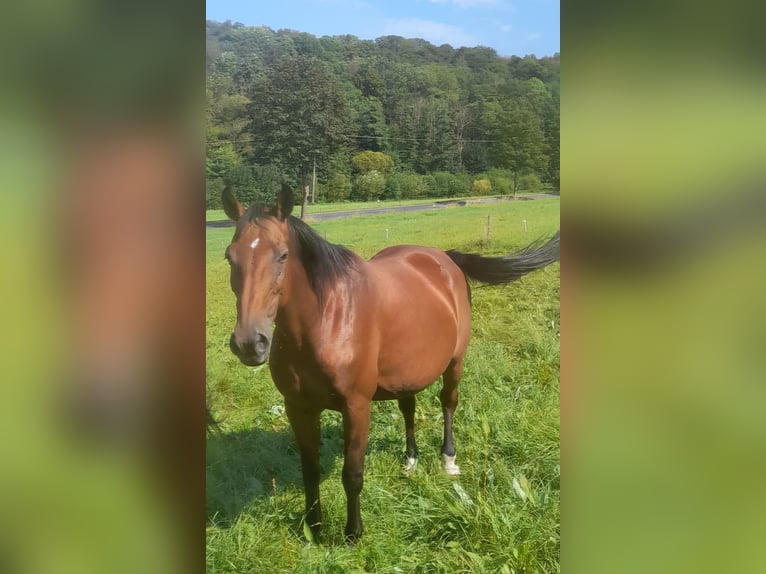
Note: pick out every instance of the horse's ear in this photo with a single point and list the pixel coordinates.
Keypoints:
(285, 202)
(231, 205)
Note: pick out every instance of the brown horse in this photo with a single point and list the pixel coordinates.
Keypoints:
(350, 331)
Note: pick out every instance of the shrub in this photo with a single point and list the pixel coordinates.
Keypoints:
(481, 186)
(337, 188)
(213, 191)
(501, 180)
(411, 186)
(530, 183)
(369, 186)
(372, 161)
(392, 189)
(428, 183)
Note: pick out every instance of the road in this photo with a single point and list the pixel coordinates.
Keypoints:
(439, 204)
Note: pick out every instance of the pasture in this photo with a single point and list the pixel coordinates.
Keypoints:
(500, 515)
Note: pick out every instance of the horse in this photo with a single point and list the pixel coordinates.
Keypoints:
(348, 331)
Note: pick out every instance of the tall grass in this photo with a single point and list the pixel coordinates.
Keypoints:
(500, 515)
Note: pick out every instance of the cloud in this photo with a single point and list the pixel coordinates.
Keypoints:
(505, 28)
(435, 32)
(534, 36)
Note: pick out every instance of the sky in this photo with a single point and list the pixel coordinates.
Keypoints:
(517, 27)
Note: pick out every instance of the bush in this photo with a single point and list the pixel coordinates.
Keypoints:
(367, 161)
(501, 180)
(530, 183)
(451, 184)
(481, 186)
(213, 191)
(430, 189)
(338, 187)
(369, 186)
(392, 189)
(411, 186)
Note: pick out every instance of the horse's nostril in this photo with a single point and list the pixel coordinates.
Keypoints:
(233, 344)
(258, 346)
(262, 345)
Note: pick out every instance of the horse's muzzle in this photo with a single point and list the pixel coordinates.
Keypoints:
(252, 351)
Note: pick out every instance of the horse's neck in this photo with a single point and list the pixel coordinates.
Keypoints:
(298, 306)
(301, 314)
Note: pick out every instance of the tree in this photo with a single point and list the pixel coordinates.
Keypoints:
(372, 160)
(284, 99)
(299, 115)
(519, 144)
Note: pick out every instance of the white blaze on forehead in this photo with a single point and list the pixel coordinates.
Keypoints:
(254, 244)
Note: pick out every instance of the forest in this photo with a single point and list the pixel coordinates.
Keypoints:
(395, 118)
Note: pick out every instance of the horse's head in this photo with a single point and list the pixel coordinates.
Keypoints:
(257, 256)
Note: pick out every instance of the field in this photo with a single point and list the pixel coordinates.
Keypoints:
(218, 214)
(500, 515)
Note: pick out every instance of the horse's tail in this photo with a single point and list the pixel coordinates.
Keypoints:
(497, 270)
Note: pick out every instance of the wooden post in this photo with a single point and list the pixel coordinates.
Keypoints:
(489, 225)
(305, 200)
(314, 183)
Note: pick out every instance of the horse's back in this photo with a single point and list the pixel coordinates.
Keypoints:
(423, 312)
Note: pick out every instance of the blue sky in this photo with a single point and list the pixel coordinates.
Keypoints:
(517, 27)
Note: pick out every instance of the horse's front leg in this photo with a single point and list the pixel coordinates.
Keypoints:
(305, 424)
(356, 429)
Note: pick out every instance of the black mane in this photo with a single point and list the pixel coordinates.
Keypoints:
(323, 261)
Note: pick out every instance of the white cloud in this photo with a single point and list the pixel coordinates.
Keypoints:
(435, 32)
(534, 36)
(505, 28)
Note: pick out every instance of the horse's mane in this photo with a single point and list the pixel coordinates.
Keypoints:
(323, 261)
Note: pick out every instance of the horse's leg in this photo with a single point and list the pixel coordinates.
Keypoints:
(448, 396)
(305, 424)
(407, 406)
(356, 429)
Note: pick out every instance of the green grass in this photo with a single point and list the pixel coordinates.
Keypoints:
(219, 215)
(506, 429)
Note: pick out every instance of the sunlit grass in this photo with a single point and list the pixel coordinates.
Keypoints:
(500, 515)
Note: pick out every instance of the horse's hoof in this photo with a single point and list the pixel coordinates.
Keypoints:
(352, 539)
(410, 466)
(449, 465)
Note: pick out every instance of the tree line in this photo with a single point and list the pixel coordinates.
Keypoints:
(389, 118)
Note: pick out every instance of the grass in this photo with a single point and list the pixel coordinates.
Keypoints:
(500, 515)
(219, 215)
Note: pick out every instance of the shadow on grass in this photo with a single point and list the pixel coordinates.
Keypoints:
(244, 466)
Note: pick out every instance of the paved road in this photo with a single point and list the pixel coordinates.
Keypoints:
(441, 204)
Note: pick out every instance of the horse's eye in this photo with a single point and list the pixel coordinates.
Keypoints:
(282, 257)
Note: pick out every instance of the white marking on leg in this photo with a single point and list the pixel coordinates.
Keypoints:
(449, 465)
(254, 244)
(412, 462)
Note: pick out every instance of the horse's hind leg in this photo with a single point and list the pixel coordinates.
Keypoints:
(306, 426)
(448, 396)
(407, 406)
